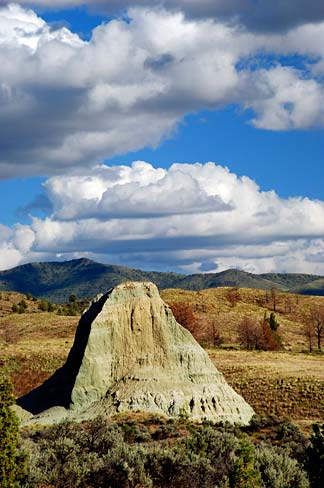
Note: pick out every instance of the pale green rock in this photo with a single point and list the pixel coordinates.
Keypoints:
(130, 354)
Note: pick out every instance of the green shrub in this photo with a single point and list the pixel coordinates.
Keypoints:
(13, 471)
(278, 470)
(217, 447)
(100, 453)
(179, 468)
(46, 306)
(244, 474)
(22, 304)
(43, 305)
(124, 467)
(292, 440)
(166, 431)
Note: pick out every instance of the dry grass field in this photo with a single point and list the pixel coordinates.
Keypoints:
(32, 344)
(281, 383)
(286, 383)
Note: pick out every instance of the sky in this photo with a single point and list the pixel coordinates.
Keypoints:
(176, 135)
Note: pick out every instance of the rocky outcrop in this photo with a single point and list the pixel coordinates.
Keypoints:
(130, 354)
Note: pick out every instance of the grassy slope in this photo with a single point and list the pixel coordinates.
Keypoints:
(286, 383)
(288, 281)
(213, 303)
(315, 287)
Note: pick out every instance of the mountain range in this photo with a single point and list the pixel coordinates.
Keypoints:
(56, 281)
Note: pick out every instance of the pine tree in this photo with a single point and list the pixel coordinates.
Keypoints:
(12, 464)
(273, 322)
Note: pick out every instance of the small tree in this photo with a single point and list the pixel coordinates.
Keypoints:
(208, 332)
(233, 296)
(288, 304)
(22, 304)
(309, 334)
(72, 298)
(215, 335)
(271, 299)
(50, 307)
(43, 306)
(274, 299)
(244, 474)
(273, 322)
(184, 315)
(271, 341)
(249, 333)
(12, 464)
(258, 335)
(316, 318)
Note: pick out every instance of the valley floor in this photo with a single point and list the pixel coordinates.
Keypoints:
(278, 383)
(286, 383)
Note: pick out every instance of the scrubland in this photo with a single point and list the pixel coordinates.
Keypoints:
(288, 382)
(285, 387)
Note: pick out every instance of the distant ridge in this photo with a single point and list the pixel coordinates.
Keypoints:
(56, 281)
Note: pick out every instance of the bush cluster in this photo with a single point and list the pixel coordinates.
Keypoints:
(205, 331)
(259, 335)
(21, 307)
(101, 453)
(74, 306)
(46, 306)
(154, 452)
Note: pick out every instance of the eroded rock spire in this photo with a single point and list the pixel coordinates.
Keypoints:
(130, 354)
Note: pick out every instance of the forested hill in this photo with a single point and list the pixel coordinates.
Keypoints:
(56, 281)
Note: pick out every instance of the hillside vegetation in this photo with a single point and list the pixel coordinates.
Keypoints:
(285, 382)
(215, 305)
(56, 281)
(150, 451)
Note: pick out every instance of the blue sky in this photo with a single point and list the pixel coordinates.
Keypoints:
(90, 92)
(290, 162)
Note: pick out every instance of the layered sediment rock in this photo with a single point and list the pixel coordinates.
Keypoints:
(130, 354)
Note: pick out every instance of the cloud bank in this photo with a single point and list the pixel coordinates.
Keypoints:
(259, 15)
(67, 103)
(189, 218)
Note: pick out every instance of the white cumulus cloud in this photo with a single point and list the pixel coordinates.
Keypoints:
(189, 217)
(66, 102)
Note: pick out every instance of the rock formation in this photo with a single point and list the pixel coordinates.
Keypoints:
(130, 354)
